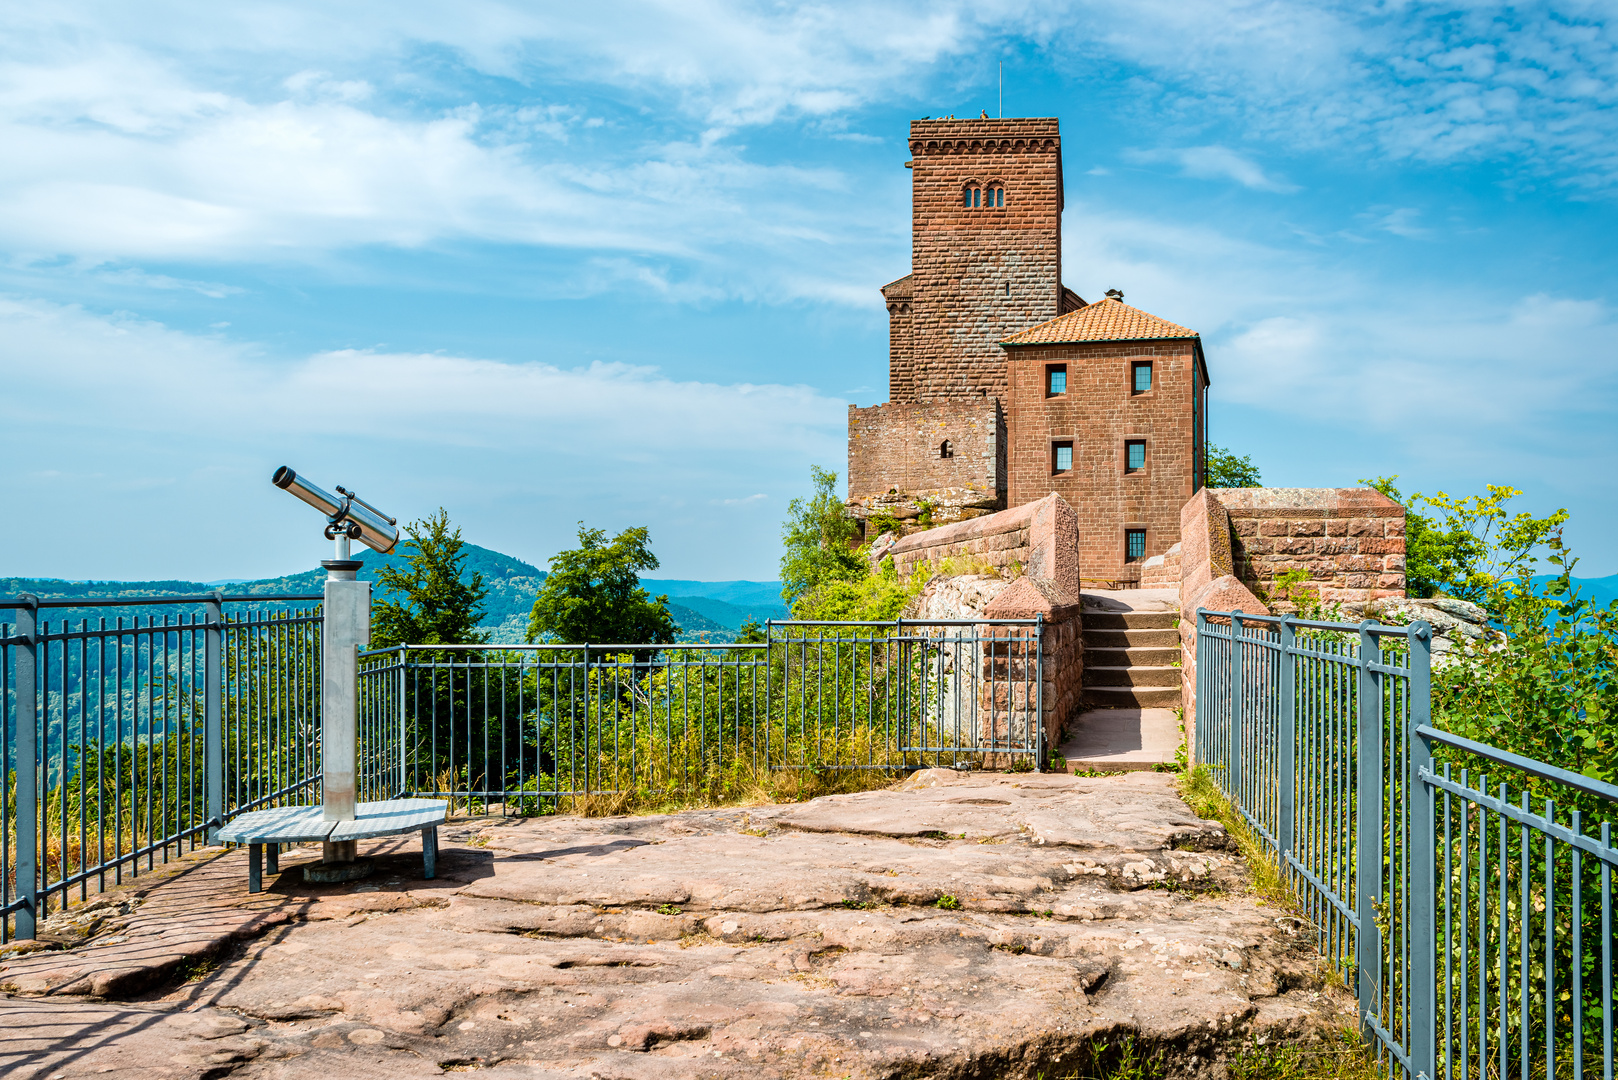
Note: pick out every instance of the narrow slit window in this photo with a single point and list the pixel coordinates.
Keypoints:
(1056, 380)
(1134, 455)
(1061, 457)
(1141, 377)
(1134, 545)
(946, 449)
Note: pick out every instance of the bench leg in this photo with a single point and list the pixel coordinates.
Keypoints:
(429, 852)
(255, 868)
(272, 858)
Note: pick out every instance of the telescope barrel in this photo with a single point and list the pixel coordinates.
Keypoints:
(376, 532)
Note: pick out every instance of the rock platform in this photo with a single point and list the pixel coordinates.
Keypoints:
(955, 925)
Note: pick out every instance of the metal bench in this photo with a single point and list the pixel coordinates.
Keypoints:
(306, 824)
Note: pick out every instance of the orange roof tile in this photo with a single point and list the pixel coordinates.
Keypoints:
(1104, 320)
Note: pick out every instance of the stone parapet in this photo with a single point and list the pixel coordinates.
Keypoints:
(1351, 541)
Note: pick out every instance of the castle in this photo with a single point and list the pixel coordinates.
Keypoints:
(1004, 384)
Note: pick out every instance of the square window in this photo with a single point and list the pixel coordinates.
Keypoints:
(1134, 544)
(1056, 380)
(1134, 455)
(1141, 374)
(1061, 457)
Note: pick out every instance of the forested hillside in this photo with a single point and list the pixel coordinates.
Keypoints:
(710, 609)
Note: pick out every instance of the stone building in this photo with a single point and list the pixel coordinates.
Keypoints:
(1005, 385)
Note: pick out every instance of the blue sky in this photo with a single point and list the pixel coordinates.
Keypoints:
(619, 262)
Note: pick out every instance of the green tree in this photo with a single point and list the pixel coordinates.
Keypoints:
(1226, 470)
(593, 593)
(819, 535)
(1473, 548)
(433, 602)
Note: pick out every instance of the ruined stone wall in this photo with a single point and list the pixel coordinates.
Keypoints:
(1098, 414)
(979, 274)
(895, 458)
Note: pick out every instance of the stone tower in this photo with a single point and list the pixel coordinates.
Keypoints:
(986, 255)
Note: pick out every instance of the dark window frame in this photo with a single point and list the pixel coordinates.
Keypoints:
(1135, 367)
(1145, 457)
(1051, 371)
(1058, 445)
(1130, 536)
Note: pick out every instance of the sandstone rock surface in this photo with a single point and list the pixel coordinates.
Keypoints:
(958, 924)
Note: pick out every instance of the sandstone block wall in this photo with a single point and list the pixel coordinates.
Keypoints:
(978, 275)
(895, 458)
(1098, 414)
(1039, 537)
(1350, 540)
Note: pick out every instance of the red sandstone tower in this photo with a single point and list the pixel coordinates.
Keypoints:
(964, 431)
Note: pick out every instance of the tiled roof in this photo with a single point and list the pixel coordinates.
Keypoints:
(1104, 320)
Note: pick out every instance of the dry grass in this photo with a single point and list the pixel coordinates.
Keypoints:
(1201, 793)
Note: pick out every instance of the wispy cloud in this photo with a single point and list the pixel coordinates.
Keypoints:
(422, 428)
(1213, 163)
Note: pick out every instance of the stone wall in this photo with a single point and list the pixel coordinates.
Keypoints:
(1039, 537)
(1350, 540)
(1098, 414)
(1161, 571)
(1235, 542)
(896, 457)
(980, 274)
(1042, 539)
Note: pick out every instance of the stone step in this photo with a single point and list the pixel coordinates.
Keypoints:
(1129, 620)
(1133, 697)
(1130, 639)
(1131, 676)
(1145, 655)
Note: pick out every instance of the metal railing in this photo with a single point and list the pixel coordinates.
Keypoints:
(529, 727)
(1475, 929)
(127, 737)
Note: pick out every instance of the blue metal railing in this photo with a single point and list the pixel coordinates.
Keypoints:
(546, 725)
(126, 738)
(1475, 929)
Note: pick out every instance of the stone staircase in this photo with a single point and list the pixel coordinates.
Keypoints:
(1131, 649)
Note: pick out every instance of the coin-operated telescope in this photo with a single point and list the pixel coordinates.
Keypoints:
(346, 628)
(348, 517)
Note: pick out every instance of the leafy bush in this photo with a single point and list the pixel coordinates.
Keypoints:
(1226, 470)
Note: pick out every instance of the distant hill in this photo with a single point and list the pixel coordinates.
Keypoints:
(712, 610)
(729, 614)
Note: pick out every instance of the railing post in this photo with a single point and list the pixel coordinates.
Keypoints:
(27, 765)
(1235, 691)
(1423, 915)
(1368, 825)
(1039, 691)
(213, 730)
(404, 689)
(1286, 731)
(1199, 703)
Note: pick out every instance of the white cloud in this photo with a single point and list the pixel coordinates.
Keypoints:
(125, 404)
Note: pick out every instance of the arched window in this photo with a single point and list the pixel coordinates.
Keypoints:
(946, 449)
(976, 196)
